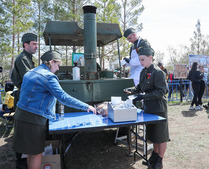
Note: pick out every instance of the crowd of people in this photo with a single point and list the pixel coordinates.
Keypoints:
(198, 79)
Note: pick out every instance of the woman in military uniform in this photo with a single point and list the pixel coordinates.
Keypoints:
(153, 88)
(37, 104)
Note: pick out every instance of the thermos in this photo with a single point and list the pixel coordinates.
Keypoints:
(76, 72)
(61, 111)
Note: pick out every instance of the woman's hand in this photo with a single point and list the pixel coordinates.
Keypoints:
(91, 108)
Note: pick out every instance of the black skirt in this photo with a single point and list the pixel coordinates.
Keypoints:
(29, 135)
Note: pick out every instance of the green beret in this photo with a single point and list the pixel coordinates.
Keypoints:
(29, 37)
(51, 55)
(128, 32)
(146, 51)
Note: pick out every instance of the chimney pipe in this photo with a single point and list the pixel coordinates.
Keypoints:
(90, 43)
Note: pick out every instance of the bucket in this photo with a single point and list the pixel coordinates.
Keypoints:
(106, 74)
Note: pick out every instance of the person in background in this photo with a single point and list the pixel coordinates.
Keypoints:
(195, 77)
(202, 86)
(37, 104)
(23, 63)
(133, 61)
(170, 79)
(8, 105)
(152, 89)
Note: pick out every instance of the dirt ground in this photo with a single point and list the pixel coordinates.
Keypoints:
(188, 148)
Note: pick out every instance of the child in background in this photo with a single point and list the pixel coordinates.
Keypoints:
(8, 105)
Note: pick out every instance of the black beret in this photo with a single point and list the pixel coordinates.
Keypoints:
(128, 32)
(51, 55)
(29, 37)
(146, 51)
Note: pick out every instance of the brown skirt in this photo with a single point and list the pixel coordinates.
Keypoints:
(29, 138)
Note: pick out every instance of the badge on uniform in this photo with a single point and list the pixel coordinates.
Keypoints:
(149, 75)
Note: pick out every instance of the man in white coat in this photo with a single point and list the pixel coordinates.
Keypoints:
(133, 61)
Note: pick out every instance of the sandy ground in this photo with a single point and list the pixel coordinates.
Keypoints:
(188, 148)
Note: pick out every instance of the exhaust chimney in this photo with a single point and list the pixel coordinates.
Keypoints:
(90, 43)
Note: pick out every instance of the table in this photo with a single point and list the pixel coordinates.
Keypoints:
(83, 121)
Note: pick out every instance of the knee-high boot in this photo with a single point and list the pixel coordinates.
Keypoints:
(152, 160)
(158, 164)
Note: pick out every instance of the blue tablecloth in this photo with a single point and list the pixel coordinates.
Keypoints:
(79, 121)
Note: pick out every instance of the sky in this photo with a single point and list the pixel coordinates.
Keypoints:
(172, 22)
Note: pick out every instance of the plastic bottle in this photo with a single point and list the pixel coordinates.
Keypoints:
(76, 72)
(61, 112)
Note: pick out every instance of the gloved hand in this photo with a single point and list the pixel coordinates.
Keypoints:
(138, 97)
(127, 60)
(128, 90)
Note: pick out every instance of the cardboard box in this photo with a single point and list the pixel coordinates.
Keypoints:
(52, 161)
(121, 114)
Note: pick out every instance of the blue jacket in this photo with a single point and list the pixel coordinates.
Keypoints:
(40, 90)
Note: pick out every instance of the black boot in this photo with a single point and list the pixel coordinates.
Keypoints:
(152, 160)
(158, 164)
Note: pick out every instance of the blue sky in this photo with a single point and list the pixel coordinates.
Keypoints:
(172, 22)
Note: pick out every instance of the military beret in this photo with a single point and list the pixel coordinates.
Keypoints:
(146, 51)
(51, 55)
(128, 32)
(29, 37)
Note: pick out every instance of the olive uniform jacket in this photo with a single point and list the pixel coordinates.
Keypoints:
(23, 64)
(154, 84)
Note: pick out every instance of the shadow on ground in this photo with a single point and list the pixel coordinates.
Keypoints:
(190, 113)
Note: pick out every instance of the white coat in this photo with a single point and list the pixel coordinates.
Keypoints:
(135, 66)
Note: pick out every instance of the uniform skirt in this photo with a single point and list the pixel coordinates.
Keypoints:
(29, 135)
(29, 138)
(158, 132)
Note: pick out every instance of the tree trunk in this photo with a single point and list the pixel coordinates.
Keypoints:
(13, 39)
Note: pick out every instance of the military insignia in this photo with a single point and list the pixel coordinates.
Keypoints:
(148, 75)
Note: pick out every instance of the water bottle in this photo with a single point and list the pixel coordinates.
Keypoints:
(61, 112)
(76, 72)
